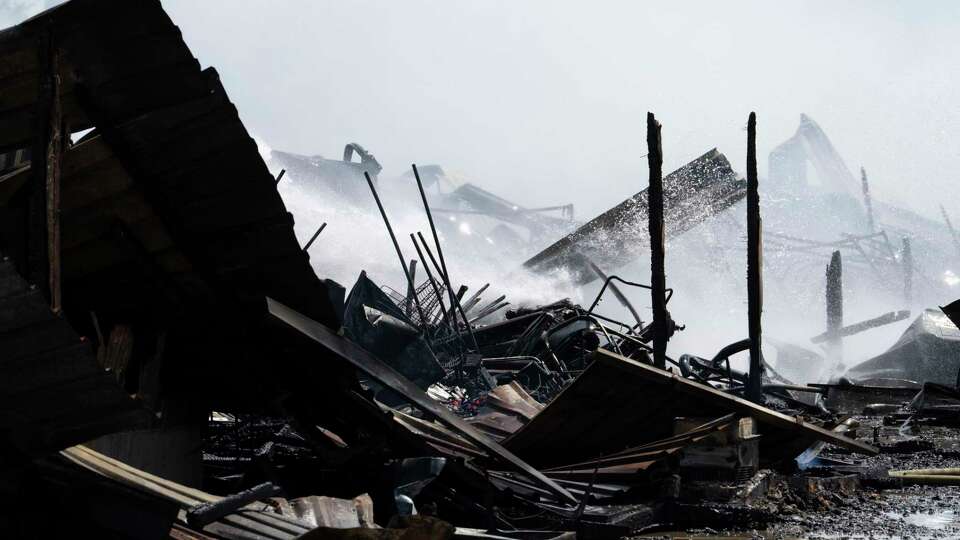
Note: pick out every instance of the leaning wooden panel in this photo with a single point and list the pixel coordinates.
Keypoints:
(618, 403)
(364, 361)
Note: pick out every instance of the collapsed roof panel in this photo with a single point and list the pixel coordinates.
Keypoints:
(788, 162)
(698, 190)
(177, 138)
(928, 351)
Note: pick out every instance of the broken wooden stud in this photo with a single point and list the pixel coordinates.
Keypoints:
(658, 280)
(835, 308)
(867, 202)
(906, 259)
(315, 235)
(754, 390)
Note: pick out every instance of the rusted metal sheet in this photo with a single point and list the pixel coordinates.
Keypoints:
(698, 190)
(364, 361)
(618, 403)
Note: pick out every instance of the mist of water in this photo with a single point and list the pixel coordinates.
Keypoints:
(706, 266)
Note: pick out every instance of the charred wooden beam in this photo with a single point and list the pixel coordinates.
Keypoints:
(754, 265)
(658, 279)
(906, 259)
(856, 328)
(867, 202)
(205, 514)
(835, 308)
(43, 213)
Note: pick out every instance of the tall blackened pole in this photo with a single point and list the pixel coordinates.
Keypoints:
(754, 265)
(906, 256)
(46, 154)
(658, 279)
(867, 201)
(834, 303)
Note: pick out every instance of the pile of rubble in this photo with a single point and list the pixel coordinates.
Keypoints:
(171, 366)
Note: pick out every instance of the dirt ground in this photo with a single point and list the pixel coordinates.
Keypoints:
(880, 509)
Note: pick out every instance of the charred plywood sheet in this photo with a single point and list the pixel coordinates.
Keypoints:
(618, 403)
(700, 189)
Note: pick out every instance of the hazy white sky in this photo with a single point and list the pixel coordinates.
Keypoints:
(545, 101)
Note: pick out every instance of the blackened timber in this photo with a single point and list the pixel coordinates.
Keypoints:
(43, 214)
(867, 202)
(906, 256)
(658, 280)
(835, 307)
(364, 361)
(856, 328)
(754, 265)
(475, 298)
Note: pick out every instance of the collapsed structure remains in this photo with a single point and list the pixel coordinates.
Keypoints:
(173, 366)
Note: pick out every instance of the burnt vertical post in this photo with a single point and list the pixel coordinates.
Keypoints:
(906, 259)
(867, 202)
(835, 308)
(46, 155)
(953, 232)
(754, 390)
(658, 279)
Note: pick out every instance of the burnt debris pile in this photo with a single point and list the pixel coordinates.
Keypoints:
(172, 366)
